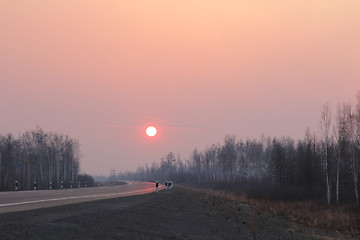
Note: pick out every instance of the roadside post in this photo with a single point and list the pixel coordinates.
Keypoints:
(35, 185)
(51, 185)
(16, 185)
(71, 184)
(79, 184)
(62, 185)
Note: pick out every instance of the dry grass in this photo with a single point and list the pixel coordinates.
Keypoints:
(344, 219)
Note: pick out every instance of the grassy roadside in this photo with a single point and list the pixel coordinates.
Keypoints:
(180, 213)
(343, 219)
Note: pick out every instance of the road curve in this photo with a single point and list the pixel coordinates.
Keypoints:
(27, 200)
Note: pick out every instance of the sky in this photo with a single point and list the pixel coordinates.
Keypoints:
(101, 71)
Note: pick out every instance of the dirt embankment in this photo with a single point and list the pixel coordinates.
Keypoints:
(176, 214)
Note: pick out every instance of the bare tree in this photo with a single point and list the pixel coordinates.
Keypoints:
(325, 124)
(356, 170)
(342, 135)
(354, 125)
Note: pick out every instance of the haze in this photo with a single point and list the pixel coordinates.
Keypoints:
(101, 71)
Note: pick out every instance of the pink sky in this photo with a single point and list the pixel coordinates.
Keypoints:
(100, 71)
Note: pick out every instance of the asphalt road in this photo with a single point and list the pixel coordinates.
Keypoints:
(27, 200)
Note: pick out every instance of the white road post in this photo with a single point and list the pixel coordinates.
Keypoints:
(50, 185)
(16, 185)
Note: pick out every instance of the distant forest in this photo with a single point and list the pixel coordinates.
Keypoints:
(322, 166)
(44, 158)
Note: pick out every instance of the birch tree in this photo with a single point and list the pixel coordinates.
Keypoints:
(355, 139)
(325, 124)
(342, 135)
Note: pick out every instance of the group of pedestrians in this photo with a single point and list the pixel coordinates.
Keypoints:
(168, 185)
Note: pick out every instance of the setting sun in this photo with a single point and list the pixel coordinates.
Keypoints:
(151, 131)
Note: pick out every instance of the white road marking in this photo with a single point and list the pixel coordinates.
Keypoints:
(67, 198)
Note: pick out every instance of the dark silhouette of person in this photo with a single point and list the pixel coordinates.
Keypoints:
(157, 186)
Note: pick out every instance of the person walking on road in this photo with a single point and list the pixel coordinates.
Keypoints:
(157, 186)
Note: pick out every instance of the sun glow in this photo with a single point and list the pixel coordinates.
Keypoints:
(151, 131)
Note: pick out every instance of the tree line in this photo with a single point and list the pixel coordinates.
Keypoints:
(43, 157)
(320, 166)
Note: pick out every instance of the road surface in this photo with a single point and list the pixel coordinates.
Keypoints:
(27, 200)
